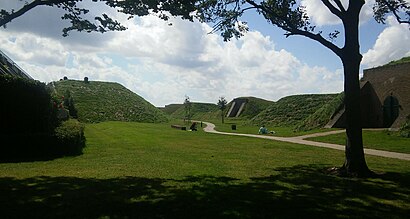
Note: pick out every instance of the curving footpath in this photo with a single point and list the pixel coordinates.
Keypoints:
(301, 140)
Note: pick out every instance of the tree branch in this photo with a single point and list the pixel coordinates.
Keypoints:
(340, 5)
(333, 9)
(8, 17)
(394, 11)
(316, 37)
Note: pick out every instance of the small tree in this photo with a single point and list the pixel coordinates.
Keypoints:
(222, 106)
(86, 80)
(187, 106)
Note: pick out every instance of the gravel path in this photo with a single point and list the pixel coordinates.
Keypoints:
(301, 140)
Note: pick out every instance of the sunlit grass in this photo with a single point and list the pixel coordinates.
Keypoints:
(152, 170)
(381, 140)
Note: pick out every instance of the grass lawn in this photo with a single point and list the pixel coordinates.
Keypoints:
(381, 140)
(243, 127)
(135, 170)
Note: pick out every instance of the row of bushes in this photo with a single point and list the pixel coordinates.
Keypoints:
(29, 126)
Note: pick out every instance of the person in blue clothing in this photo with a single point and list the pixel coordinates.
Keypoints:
(263, 130)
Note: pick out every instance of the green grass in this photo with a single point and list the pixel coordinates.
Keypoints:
(242, 126)
(136, 170)
(98, 101)
(381, 140)
(291, 110)
(400, 61)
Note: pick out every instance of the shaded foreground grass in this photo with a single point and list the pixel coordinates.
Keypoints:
(152, 171)
(295, 192)
(381, 140)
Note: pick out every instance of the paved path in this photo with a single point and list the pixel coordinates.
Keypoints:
(301, 140)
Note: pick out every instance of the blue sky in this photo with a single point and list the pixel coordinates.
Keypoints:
(164, 63)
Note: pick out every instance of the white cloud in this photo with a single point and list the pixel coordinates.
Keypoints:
(164, 63)
(391, 44)
(321, 16)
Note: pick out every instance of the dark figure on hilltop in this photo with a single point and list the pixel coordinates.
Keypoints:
(193, 127)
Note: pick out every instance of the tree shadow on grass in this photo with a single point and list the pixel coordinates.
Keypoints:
(293, 192)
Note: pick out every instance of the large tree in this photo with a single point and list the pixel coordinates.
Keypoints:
(290, 16)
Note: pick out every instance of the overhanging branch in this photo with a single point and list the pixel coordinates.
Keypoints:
(8, 17)
(316, 37)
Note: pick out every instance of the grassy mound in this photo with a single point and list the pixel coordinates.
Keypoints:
(199, 111)
(400, 61)
(105, 101)
(253, 107)
(291, 110)
(322, 116)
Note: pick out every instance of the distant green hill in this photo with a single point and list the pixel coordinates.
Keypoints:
(171, 108)
(201, 111)
(291, 110)
(106, 101)
(253, 106)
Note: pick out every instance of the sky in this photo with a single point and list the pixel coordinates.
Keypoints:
(164, 63)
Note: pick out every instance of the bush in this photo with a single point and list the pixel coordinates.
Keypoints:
(25, 107)
(70, 139)
(29, 127)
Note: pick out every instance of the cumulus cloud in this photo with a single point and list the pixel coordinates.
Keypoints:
(321, 16)
(164, 63)
(391, 44)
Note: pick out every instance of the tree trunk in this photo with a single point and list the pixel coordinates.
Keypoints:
(222, 116)
(355, 163)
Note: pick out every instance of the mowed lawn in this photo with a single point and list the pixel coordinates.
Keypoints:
(380, 140)
(135, 170)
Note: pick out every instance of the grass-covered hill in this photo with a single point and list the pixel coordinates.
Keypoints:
(200, 111)
(291, 110)
(106, 101)
(253, 107)
(171, 108)
(400, 61)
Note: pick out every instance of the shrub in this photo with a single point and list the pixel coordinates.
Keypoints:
(25, 107)
(70, 139)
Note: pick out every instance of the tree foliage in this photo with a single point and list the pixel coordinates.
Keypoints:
(77, 14)
(222, 106)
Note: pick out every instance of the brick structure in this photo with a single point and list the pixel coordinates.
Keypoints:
(385, 96)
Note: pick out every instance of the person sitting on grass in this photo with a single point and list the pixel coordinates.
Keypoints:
(193, 127)
(263, 130)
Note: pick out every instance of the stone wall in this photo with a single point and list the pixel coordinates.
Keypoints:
(393, 81)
